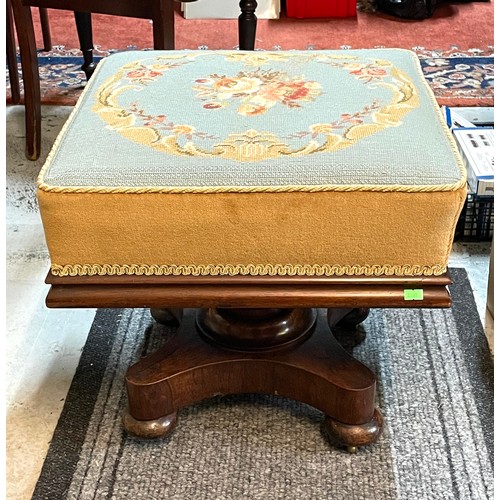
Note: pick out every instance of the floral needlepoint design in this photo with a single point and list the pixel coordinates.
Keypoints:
(369, 73)
(249, 87)
(345, 121)
(145, 74)
(257, 91)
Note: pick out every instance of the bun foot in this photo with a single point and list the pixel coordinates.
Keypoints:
(167, 317)
(149, 429)
(353, 436)
(346, 327)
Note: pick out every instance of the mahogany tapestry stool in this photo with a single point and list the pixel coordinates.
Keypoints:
(271, 193)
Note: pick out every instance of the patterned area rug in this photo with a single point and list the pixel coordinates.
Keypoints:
(435, 389)
(457, 78)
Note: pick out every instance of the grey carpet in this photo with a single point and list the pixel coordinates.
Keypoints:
(435, 390)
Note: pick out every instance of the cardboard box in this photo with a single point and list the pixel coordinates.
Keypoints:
(477, 147)
(224, 9)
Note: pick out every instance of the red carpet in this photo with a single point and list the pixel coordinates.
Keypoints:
(451, 44)
(467, 25)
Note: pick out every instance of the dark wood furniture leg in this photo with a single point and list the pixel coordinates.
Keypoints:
(247, 24)
(15, 90)
(44, 23)
(29, 63)
(163, 25)
(236, 343)
(27, 43)
(163, 32)
(83, 21)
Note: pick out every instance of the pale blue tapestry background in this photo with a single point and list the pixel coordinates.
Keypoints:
(414, 149)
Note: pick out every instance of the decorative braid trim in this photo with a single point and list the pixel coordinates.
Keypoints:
(250, 189)
(256, 189)
(245, 270)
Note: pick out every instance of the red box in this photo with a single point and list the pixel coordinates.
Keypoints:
(303, 9)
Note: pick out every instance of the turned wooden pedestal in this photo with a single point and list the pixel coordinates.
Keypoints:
(254, 335)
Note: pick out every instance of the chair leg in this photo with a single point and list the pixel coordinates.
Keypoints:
(247, 24)
(29, 63)
(44, 22)
(83, 21)
(15, 91)
(163, 25)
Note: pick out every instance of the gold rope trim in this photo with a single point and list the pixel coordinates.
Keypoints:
(260, 189)
(250, 189)
(244, 270)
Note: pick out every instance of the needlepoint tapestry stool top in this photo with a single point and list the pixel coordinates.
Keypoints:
(232, 162)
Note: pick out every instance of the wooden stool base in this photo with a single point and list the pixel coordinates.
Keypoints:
(294, 363)
(255, 329)
(313, 368)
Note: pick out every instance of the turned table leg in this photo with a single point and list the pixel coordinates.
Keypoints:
(83, 21)
(247, 24)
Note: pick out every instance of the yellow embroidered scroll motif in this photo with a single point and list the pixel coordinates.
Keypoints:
(252, 93)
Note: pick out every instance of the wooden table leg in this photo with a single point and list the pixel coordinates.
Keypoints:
(163, 25)
(15, 90)
(271, 351)
(29, 63)
(247, 24)
(44, 23)
(83, 21)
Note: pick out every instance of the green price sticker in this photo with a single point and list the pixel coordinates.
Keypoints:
(414, 294)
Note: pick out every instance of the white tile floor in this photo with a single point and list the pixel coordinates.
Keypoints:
(43, 346)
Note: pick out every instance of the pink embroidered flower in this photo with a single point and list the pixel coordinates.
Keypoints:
(296, 91)
(369, 73)
(212, 105)
(143, 75)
